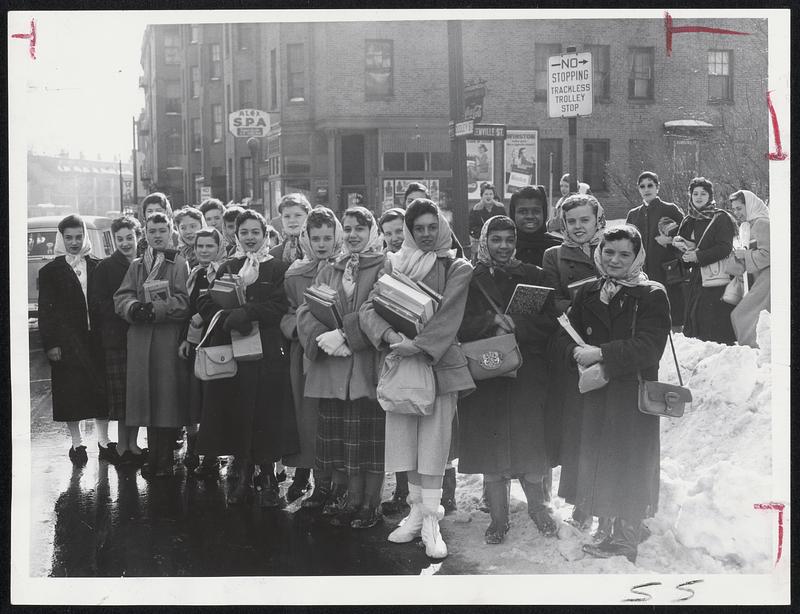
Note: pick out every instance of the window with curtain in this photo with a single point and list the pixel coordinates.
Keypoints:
(172, 93)
(216, 60)
(541, 54)
(195, 72)
(379, 61)
(601, 71)
(640, 74)
(720, 76)
(296, 72)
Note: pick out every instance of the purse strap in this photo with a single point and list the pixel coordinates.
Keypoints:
(488, 298)
(211, 325)
(671, 344)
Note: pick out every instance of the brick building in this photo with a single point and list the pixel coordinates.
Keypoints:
(358, 109)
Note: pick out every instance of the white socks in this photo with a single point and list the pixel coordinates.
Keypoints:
(102, 432)
(410, 526)
(434, 512)
(75, 433)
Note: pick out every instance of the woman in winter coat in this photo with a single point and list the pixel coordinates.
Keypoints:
(342, 374)
(752, 259)
(156, 381)
(508, 440)
(420, 444)
(706, 239)
(618, 463)
(321, 242)
(250, 415)
(114, 331)
(71, 339)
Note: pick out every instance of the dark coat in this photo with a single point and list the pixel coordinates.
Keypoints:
(645, 218)
(277, 251)
(532, 246)
(501, 424)
(478, 216)
(564, 265)
(619, 461)
(77, 379)
(108, 278)
(251, 415)
(707, 316)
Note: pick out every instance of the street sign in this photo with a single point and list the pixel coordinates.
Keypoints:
(473, 103)
(489, 131)
(569, 85)
(205, 192)
(451, 130)
(465, 128)
(248, 122)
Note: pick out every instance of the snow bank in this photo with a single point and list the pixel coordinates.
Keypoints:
(716, 463)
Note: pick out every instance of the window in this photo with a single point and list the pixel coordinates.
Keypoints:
(720, 76)
(416, 161)
(216, 61)
(216, 120)
(595, 158)
(601, 68)
(172, 48)
(244, 33)
(194, 33)
(296, 72)
(195, 71)
(273, 79)
(686, 157)
(197, 137)
(174, 149)
(441, 161)
(172, 93)
(246, 94)
(541, 54)
(640, 75)
(378, 69)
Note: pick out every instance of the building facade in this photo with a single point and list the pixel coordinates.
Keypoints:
(359, 109)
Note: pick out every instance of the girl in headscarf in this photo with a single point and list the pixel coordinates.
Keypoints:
(706, 238)
(342, 375)
(188, 221)
(420, 444)
(209, 251)
(156, 380)
(508, 441)
(71, 339)
(618, 463)
(320, 241)
(293, 210)
(250, 415)
(751, 259)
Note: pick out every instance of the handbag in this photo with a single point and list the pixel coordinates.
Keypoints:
(247, 347)
(406, 385)
(675, 272)
(658, 398)
(734, 291)
(497, 356)
(713, 275)
(214, 362)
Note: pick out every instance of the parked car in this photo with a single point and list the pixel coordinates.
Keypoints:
(42, 233)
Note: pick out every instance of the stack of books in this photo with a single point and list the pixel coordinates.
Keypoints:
(321, 300)
(405, 304)
(228, 292)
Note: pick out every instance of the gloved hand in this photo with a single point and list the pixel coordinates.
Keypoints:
(343, 351)
(239, 321)
(331, 341)
(141, 313)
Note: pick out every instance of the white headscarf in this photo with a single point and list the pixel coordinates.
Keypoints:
(416, 263)
(586, 248)
(310, 260)
(61, 250)
(754, 208)
(209, 267)
(249, 271)
(634, 277)
(374, 246)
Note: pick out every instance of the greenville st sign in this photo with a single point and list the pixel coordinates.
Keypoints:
(248, 122)
(569, 85)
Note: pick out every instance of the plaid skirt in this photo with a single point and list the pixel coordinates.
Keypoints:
(350, 435)
(116, 374)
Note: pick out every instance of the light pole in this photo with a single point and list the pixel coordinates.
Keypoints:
(253, 146)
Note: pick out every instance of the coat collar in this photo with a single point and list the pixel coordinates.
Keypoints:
(576, 254)
(605, 313)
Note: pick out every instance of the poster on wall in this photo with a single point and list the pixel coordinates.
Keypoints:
(387, 202)
(520, 164)
(480, 166)
(400, 186)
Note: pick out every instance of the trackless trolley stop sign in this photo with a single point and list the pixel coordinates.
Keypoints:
(248, 122)
(569, 85)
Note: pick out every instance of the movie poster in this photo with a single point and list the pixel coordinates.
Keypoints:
(520, 164)
(480, 166)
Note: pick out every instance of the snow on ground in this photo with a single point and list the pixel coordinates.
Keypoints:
(715, 464)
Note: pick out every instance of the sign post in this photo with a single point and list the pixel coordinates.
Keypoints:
(569, 94)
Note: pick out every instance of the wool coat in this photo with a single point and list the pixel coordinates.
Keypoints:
(744, 316)
(564, 265)
(619, 459)
(77, 379)
(708, 317)
(108, 278)
(645, 218)
(251, 415)
(157, 381)
(337, 377)
(502, 424)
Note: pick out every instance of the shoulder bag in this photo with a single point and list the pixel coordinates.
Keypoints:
(714, 274)
(406, 385)
(214, 362)
(658, 398)
(497, 356)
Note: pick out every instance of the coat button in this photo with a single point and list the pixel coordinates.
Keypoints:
(588, 330)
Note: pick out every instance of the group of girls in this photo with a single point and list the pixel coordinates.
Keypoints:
(310, 401)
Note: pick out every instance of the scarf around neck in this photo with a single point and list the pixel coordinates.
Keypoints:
(374, 246)
(59, 249)
(586, 247)
(634, 277)
(484, 256)
(210, 268)
(309, 261)
(416, 263)
(249, 271)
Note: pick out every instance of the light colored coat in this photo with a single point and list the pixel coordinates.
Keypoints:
(756, 261)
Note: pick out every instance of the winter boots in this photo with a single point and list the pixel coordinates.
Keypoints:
(410, 527)
(624, 541)
(299, 485)
(497, 495)
(398, 502)
(539, 512)
(432, 514)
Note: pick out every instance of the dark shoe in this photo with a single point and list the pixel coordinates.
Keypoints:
(366, 518)
(191, 460)
(580, 520)
(344, 516)
(267, 493)
(396, 504)
(244, 478)
(497, 496)
(624, 542)
(208, 469)
(539, 512)
(336, 502)
(78, 456)
(605, 529)
(448, 501)
(180, 433)
(109, 453)
(281, 477)
(128, 458)
(299, 485)
(318, 498)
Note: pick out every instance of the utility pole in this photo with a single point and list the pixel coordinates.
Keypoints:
(455, 56)
(135, 203)
(573, 146)
(121, 206)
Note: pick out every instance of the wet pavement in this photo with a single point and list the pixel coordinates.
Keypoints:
(104, 521)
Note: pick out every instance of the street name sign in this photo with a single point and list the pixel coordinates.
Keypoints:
(489, 131)
(248, 122)
(465, 128)
(569, 85)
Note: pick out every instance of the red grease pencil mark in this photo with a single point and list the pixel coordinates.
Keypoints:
(670, 30)
(779, 507)
(776, 133)
(30, 36)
